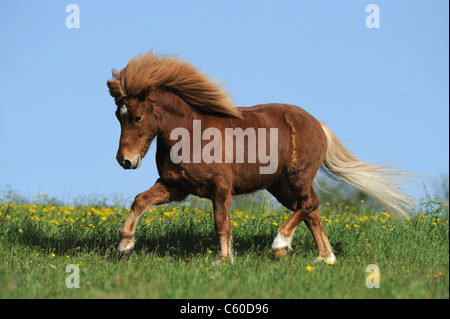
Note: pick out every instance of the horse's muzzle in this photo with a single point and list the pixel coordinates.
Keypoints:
(127, 164)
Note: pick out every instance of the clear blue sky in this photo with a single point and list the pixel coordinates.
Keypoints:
(383, 91)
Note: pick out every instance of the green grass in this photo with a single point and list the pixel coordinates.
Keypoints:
(176, 247)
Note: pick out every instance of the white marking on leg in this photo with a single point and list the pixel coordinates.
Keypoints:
(231, 249)
(125, 246)
(331, 258)
(282, 241)
(226, 249)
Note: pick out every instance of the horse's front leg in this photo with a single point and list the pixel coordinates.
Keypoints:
(157, 195)
(222, 204)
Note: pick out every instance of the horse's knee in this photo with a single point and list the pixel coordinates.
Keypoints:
(139, 203)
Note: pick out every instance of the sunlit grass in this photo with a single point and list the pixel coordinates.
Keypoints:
(176, 247)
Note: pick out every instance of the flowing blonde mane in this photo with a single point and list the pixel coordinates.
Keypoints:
(169, 72)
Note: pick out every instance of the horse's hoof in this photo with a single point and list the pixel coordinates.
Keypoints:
(278, 253)
(125, 249)
(329, 259)
(126, 254)
(223, 260)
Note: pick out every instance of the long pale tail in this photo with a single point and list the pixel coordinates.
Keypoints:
(377, 181)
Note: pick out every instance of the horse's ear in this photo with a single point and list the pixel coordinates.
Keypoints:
(115, 89)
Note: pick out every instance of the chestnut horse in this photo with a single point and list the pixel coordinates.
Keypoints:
(157, 94)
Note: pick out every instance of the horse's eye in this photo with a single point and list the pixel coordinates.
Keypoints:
(137, 119)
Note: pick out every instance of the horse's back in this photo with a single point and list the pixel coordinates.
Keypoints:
(280, 115)
(294, 124)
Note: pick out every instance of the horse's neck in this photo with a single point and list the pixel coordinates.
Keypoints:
(173, 112)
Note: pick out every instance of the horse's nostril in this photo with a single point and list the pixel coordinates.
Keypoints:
(127, 163)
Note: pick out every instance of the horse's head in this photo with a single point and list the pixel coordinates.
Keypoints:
(139, 126)
(176, 88)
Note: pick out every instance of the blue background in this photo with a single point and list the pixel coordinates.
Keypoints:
(383, 91)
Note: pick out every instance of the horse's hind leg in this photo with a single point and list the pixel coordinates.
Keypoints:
(302, 201)
(305, 208)
(283, 239)
(158, 194)
(315, 226)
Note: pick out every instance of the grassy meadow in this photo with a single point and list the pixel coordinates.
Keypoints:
(176, 247)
